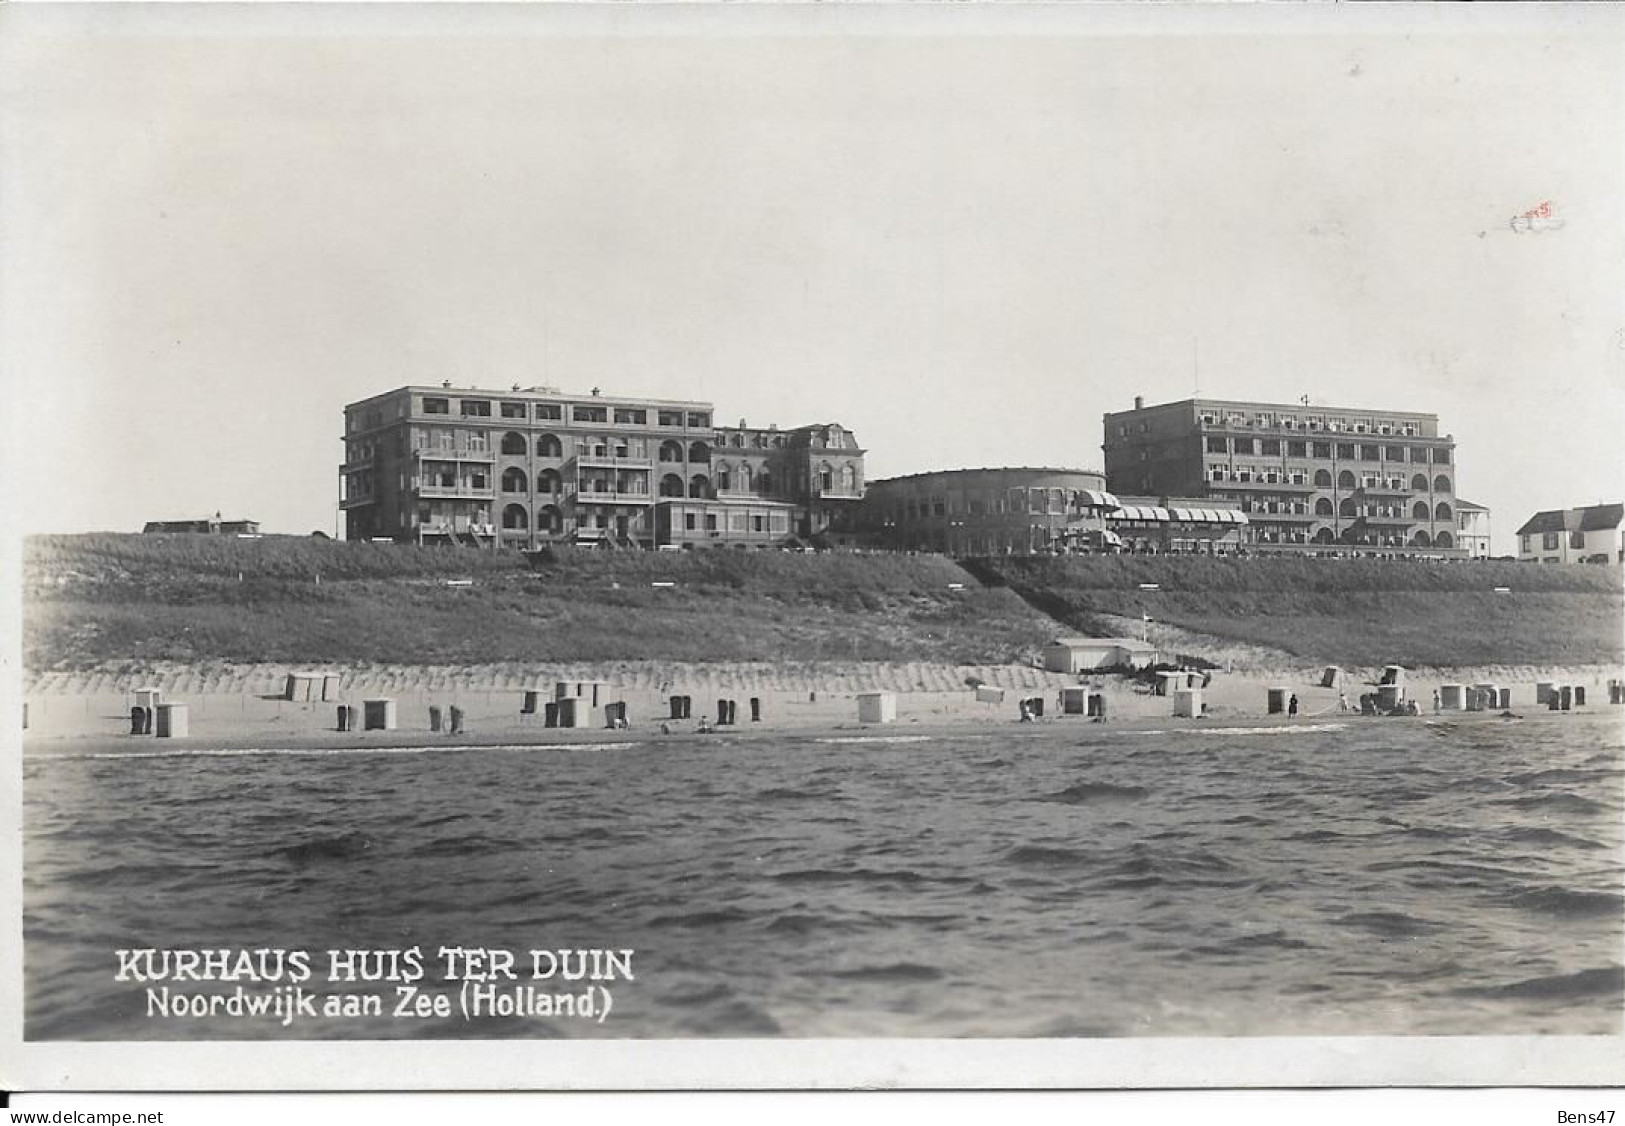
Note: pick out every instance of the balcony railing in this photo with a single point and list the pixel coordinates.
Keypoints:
(460, 489)
(608, 496)
(1263, 486)
(613, 461)
(441, 453)
(1260, 516)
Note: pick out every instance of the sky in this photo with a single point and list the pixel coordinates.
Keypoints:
(965, 235)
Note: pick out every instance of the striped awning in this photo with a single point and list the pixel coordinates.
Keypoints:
(1209, 515)
(1146, 513)
(1097, 498)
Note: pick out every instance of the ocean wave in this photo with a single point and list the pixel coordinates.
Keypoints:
(1389, 924)
(1080, 792)
(1248, 943)
(1568, 903)
(1602, 982)
(896, 973)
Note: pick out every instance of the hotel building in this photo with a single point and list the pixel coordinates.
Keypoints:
(530, 467)
(1308, 478)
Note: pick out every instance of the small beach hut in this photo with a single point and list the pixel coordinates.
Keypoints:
(172, 721)
(302, 686)
(1167, 682)
(378, 715)
(575, 711)
(1543, 690)
(1452, 697)
(1331, 677)
(1188, 702)
(1276, 697)
(987, 694)
(1075, 700)
(148, 697)
(877, 707)
(330, 686)
(1390, 696)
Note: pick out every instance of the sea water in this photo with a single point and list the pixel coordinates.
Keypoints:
(1390, 876)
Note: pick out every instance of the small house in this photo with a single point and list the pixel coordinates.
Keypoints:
(1080, 654)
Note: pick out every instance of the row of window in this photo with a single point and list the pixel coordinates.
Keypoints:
(1549, 541)
(590, 413)
(1333, 423)
(1322, 479)
(1327, 451)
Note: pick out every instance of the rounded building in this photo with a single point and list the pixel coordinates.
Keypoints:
(1010, 511)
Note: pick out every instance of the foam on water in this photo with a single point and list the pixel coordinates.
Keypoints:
(325, 752)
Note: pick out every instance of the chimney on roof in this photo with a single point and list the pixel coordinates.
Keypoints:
(1139, 402)
(446, 383)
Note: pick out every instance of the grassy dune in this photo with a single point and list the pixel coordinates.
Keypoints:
(1352, 612)
(95, 599)
(101, 598)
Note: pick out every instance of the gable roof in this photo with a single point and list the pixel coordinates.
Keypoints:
(1595, 518)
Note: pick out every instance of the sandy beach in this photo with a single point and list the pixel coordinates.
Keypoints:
(243, 705)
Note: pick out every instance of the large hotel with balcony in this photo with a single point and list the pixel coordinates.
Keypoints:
(1308, 478)
(534, 467)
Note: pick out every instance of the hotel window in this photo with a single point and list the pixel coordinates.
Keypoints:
(1345, 451)
(1297, 449)
(1244, 446)
(475, 408)
(1217, 446)
(699, 418)
(589, 414)
(513, 410)
(1523, 543)
(710, 521)
(436, 406)
(1322, 449)
(669, 418)
(1548, 541)
(550, 412)
(688, 522)
(628, 416)
(1370, 453)
(1218, 473)
(1577, 540)
(1272, 447)
(1207, 420)
(1394, 453)
(1441, 456)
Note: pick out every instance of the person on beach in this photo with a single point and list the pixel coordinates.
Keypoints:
(1436, 703)
(1342, 701)
(1292, 706)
